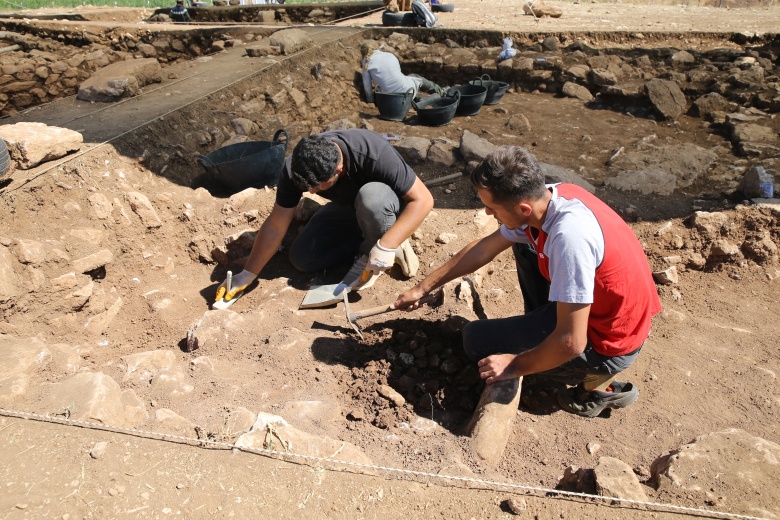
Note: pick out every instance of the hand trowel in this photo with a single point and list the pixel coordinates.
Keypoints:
(222, 303)
(324, 295)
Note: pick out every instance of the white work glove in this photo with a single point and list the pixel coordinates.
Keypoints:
(240, 282)
(380, 258)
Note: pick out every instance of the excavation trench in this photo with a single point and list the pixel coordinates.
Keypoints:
(127, 318)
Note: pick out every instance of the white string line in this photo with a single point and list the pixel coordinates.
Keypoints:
(359, 465)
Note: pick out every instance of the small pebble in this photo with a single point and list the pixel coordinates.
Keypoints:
(516, 505)
(98, 450)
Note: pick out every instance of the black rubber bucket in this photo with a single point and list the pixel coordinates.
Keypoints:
(252, 164)
(495, 89)
(442, 8)
(437, 111)
(393, 106)
(471, 99)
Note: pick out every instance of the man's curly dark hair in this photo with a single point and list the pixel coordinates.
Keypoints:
(510, 174)
(314, 161)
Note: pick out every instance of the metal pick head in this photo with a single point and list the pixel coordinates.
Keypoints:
(346, 309)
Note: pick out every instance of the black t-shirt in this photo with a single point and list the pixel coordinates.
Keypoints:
(368, 157)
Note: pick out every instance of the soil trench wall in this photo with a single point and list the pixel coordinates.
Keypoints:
(52, 62)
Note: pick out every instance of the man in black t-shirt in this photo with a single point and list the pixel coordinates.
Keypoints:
(377, 202)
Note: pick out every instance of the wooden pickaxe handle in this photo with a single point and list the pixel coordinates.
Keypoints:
(381, 309)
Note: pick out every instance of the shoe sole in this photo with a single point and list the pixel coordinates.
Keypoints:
(408, 260)
(629, 398)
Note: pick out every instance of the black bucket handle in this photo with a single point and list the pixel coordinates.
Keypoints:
(206, 163)
(280, 133)
(456, 96)
(485, 77)
(409, 92)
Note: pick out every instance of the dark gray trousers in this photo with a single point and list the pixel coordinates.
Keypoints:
(483, 338)
(338, 232)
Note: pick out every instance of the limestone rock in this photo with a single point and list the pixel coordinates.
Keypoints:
(274, 433)
(89, 396)
(666, 97)
(93, 261)
(668, 276)
(685, 161)
(160, 370)
(554, 173)
(732, 464)
(414, 150)
(310, 415)
(473, 147)
(571, 89)
(141, 206)
(120, 79)
(615, 478)
(100, 205)
(98, 450)
(519, 123)
(290, 41)
(539, 9)
(710, 103)
(20, 358)
(239, 420)
(28, 251)
(212, 329)
(30, 144)
(649, 181)
(442, 154)
(391, 395)
(9, 281)
(172, 423)
(306, 208)
(709, 224)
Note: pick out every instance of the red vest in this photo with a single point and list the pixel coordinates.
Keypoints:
(624, 296)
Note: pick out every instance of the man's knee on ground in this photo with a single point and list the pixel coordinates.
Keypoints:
(302, 258)
(377, 197)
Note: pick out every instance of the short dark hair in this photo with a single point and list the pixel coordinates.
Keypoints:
(314, 161)
(510, 174)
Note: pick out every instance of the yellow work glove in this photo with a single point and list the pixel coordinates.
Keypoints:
(380, 258)
(240, 282)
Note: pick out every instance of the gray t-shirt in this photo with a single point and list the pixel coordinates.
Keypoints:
(384, 71)
(575, 248)
(368, 157)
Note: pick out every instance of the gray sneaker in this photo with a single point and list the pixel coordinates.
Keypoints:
(407, 259)
(590, 404)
